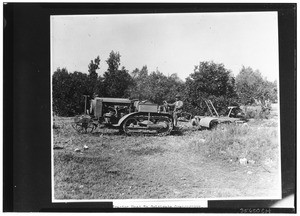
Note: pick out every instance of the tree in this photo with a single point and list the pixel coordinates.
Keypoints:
(212, 79)
(93, 66)
(269, 91)
(154, 87)
(251, 87)
(209, 81)
(140, 82)
(78, 87)
(93, 82)
(157, 87)
(173, 85)
(60, 87)
(67, 92)
(113, 61)
(116, 82)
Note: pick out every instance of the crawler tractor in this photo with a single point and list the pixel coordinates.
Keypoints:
(128, 116)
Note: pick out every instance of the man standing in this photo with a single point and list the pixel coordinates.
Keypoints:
(178, 106)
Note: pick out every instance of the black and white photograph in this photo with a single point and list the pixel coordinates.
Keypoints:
(168, 108)
(149, 107)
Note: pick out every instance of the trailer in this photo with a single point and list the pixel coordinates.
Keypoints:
(212, 121)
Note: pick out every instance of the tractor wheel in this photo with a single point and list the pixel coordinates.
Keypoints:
(213, 125)
(129, 125)
(167, 126)
(90, 127)
(84, 125)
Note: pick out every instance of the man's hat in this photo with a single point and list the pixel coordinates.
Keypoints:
(177, 96)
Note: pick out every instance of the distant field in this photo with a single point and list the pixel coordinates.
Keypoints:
(234, 161)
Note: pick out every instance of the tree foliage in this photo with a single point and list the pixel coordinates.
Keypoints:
(116, 82)
(140, 83)
(67, 92)
(113, 61)
(94, 82)
(251, 87)
(93, 67)
(210, 81)
(154, 87)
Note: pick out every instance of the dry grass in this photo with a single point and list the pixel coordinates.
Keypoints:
(187, 164)
(233, 142)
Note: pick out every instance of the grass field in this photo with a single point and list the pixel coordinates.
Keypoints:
(229, 162)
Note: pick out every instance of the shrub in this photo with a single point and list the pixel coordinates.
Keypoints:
(257, 112)
(251, 114)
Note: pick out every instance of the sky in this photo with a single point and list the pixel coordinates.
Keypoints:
(169, 43)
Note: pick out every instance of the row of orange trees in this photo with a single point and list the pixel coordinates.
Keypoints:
(209, 80)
